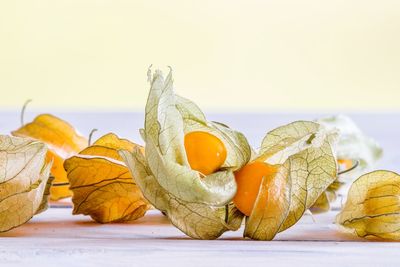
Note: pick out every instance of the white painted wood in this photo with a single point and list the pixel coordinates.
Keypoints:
(56, 238)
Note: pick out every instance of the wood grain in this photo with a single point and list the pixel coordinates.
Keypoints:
(58, 238)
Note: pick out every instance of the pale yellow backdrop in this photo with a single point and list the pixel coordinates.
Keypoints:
(226, 55)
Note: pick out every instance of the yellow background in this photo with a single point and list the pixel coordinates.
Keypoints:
(226, 55)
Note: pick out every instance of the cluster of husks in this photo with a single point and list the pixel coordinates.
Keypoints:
(201, 205)
(197, 172)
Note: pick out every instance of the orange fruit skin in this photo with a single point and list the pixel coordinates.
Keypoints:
(346, 163)
(248, 180)
(60, 176)
(206, 153)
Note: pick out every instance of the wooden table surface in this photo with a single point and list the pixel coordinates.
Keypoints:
(56, 238)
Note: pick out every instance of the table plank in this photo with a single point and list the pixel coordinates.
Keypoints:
(57, 237)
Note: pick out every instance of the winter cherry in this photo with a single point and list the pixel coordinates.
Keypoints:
(206, 153)
(248, 180)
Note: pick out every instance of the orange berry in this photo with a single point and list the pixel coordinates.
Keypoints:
(248, 180)
(205, 152)
(346, 163)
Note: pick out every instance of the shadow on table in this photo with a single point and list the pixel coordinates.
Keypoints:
(69, 225)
